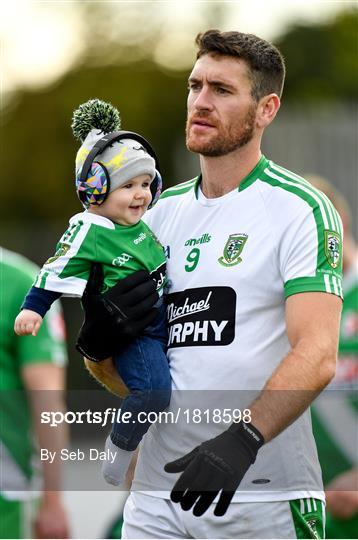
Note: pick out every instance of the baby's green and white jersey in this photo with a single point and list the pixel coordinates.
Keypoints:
(122, 250)
(231, 263)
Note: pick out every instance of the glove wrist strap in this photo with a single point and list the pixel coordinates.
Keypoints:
(249, 435)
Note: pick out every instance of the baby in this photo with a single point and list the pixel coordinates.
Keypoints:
(116, 181)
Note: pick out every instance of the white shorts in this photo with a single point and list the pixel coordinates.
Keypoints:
(146, 516)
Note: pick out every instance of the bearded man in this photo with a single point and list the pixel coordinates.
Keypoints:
(254, 261)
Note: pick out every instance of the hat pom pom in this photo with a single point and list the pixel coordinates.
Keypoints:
(95, 114)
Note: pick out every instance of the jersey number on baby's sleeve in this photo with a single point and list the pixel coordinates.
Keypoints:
(192, 260)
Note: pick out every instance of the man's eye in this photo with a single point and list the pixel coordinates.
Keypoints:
(193, 87)
(221, 90)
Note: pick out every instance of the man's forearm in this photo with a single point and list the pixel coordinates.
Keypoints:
(296, 382)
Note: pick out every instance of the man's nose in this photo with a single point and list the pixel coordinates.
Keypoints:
(203, 100)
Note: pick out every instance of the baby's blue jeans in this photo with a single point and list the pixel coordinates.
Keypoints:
(144, 369)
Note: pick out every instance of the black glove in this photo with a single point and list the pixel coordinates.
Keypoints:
(215, 465)
(113, 319)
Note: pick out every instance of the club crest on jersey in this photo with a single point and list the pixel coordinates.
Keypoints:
(233, 249)
(60, 252)
(332, 248)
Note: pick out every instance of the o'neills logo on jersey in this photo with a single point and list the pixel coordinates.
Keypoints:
(140, 238)
(204, 238)
(201, 317)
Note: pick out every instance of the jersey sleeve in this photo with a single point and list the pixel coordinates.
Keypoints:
(67, 272)
(310, 250)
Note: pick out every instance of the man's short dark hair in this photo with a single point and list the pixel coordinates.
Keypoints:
(265, 62)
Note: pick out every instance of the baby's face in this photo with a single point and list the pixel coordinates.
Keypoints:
(127, 204)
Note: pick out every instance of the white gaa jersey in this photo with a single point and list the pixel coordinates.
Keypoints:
(231, 262)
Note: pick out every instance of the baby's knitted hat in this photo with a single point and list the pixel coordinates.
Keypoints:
(124, 159)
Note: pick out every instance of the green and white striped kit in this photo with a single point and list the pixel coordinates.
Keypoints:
(232, 263)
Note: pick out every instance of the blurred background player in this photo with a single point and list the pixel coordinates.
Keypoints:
(332, 414)
(32, 377)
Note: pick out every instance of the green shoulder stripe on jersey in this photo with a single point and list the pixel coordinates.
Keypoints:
(326, 219)
(330, 214)
(308, 517)
(277, 180)
(180, 189)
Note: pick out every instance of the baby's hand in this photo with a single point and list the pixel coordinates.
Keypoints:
(27, 322)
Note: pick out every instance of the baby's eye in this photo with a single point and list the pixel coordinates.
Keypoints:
(145, 184)
(127, 186)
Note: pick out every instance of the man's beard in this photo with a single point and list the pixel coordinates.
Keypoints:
(236, 136)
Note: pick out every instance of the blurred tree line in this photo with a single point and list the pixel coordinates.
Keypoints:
(322, 60)
(38, 147)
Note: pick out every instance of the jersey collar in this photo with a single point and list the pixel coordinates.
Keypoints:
(254, 174)
(246, 182)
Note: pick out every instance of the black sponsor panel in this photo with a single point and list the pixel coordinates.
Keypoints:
(201, 317)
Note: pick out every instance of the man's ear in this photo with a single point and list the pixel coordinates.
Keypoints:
(267, 109)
